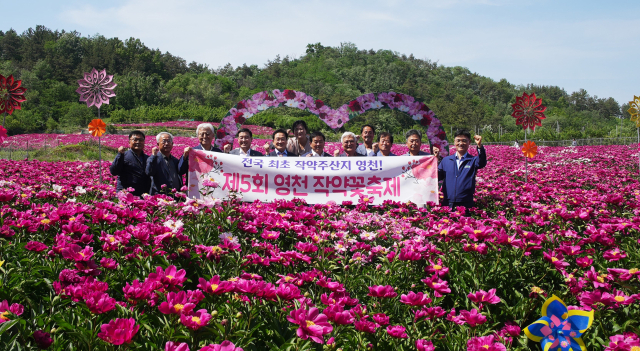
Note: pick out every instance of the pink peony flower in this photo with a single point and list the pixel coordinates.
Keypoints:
(36, 246)
(224, 346)
(5, 310)
(176, 346)
(215, 286)
(473, 318)
(119, 331)
(177, 303)
(483, 297)
(382, 291)
(415, 299)
(397, 331)
(197, 320)
(484, 343)
(424, 345)
(99, 302)
(312, 324)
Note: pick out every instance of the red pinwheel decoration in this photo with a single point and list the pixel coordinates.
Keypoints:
(11, 94)
(528, 111)
(96, 88)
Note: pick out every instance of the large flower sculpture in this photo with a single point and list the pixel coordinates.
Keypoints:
(96, 88)
(528, 111)
(3, 134)
(560, 328)
(97, 127)
(334, 118)
(634, 111)
(530, 149)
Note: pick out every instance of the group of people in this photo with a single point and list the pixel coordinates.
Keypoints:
(161, 172)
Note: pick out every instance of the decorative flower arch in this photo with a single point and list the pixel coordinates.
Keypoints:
(334, 118)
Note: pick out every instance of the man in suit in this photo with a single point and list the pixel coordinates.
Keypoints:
(414, 142)
(317, 146)
(245, 137)
(129, 165)
(163, 168)
(206, 135)
(280, 144)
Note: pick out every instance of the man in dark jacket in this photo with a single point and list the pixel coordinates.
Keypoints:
(163, 168)
(459, 171)
(129, 165)
(317, 146)
(280, 143)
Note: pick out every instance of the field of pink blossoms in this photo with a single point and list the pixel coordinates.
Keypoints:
(37, 141)
(83, 268)
(256, 130)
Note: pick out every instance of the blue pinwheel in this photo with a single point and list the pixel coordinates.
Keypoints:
(560, 328)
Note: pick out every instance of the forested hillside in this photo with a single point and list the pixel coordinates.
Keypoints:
(157, 86)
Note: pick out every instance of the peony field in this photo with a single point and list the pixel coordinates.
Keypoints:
(85, 268)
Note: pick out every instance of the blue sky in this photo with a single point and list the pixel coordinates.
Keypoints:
(573, 44)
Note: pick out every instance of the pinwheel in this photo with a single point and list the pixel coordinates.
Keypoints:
(528, 112)
(95, 89)
(11, 95)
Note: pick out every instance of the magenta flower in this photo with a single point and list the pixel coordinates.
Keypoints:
(197, 320)
(424, 345)
(343, 318)
(625, 342)
(437, 268)
(382, 291)
(440, 286)
(381, 318)
(177, 303)
(312, 324)
(119, 331)
(224, 346)
(171, 277)
(16, 309)
(99, 302)
(108, 263)
(366, 326)
(483, 297)
(36, 246)
(584, 262)
(288, 292)
(397, 331)
(215, 286)
(176, 346)
(614, 255)
(413, 299)
(484, 343)
(42, 339)
(473, 317)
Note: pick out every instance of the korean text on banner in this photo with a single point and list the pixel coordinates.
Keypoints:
(314, 179)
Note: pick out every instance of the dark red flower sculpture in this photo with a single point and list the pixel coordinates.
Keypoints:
(11, 94)
(528, 111)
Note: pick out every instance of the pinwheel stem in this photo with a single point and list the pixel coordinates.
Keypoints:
(638, 129)
(526, 161)
(99, 152)
(4, 118)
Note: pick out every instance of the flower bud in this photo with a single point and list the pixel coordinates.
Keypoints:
(224, 322)
(239, 315)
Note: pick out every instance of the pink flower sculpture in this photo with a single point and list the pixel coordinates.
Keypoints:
(96, 88)
(119, 331)
(11, 95)
(313, 324)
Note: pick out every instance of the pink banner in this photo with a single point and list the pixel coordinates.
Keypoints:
(314, 179)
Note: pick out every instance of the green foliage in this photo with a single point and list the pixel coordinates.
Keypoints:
(154, 87)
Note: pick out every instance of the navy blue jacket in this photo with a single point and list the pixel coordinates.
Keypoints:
(130, 170)
(460, 184)
(159, 173)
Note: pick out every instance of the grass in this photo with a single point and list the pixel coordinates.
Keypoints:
(84, 151)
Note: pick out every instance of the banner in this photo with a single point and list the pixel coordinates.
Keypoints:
(317, 180)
